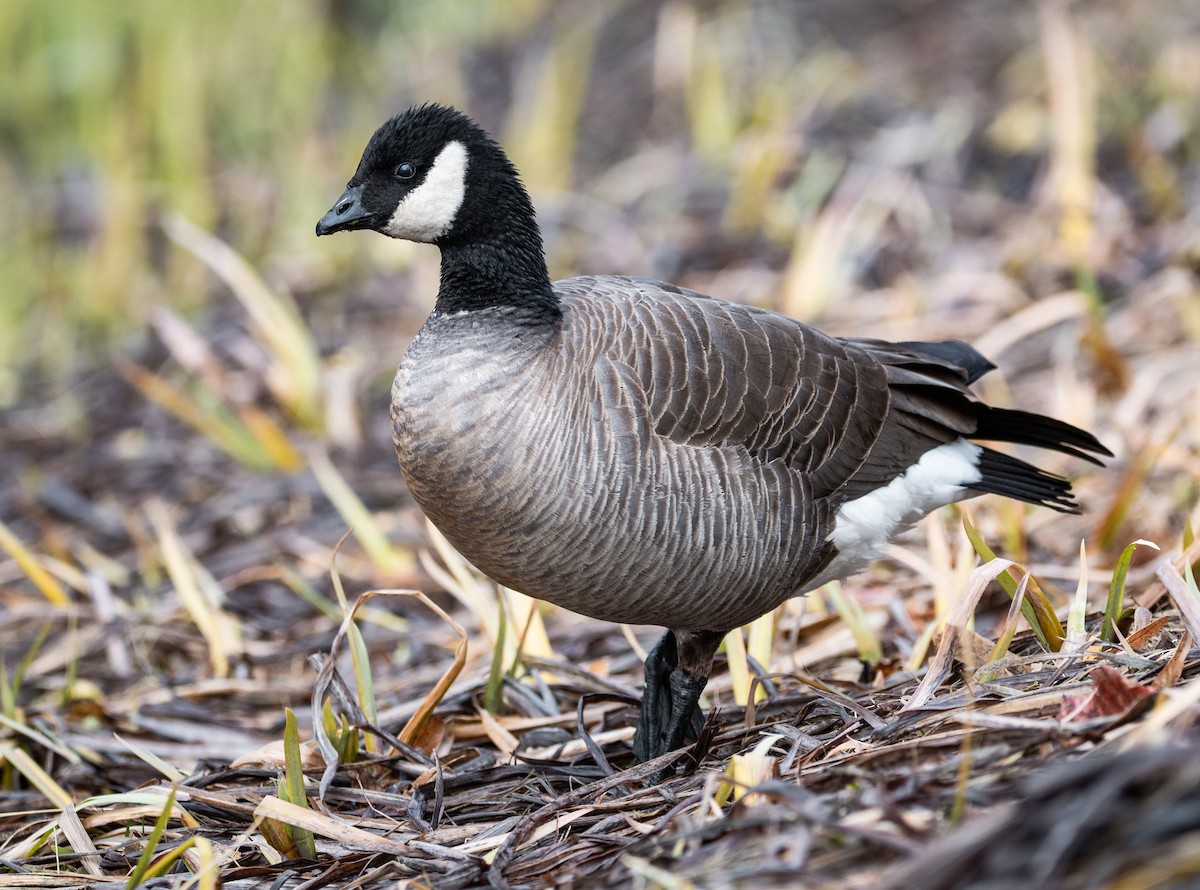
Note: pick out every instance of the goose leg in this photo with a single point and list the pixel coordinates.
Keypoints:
(676, 673)
(656, 700)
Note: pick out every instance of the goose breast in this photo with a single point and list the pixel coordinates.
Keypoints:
(633, 462)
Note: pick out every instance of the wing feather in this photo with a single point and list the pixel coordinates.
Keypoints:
(849, 415)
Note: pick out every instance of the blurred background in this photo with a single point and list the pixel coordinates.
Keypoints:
(1021, 175)
(194, 388)
(785, 153)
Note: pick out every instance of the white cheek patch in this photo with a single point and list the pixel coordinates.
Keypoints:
(428, 211)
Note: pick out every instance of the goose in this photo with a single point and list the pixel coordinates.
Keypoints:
(638, 452)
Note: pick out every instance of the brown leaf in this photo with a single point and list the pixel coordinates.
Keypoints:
(1146, 634)
(272, 755)
(506, 743)
(1112, 695)
(430, 735)
(1173, 669)
(970, 649)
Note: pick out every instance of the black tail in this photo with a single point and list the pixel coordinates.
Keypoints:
(1014, 478)
(1024, 428)
(928, 383)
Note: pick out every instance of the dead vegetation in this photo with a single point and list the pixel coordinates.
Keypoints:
(1021, 176)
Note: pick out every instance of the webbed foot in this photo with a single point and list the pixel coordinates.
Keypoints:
(676, 673)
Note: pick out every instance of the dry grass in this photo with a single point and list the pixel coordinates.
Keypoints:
(1021, 176)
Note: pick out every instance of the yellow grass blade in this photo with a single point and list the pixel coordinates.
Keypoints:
(204, 864)
(739, 667)
(198, 590)
(464, 585)
(760, 637)
(28, 563)
(356, 515)
(638, 649)
(204, 415)
(544, 126)
(870, 650)
(712, 111)
(295, 375)
(271, 438)
(1071, 89)
(34, 774)
(196, 357)
(748, 770)
(817, 268)
(529, 629)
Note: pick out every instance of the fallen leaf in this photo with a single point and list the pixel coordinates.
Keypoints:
(1173, 669)
(970, 649)
(271, 754)
(1146, 634)
(430, 735)
(1112, 694)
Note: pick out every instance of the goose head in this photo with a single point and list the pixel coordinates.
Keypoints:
(429, 174)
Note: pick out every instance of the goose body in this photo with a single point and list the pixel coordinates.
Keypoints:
(618, 500)
(641, 453)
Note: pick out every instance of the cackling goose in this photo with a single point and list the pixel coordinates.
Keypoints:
(639, 452)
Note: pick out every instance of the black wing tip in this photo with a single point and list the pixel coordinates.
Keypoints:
(973, 363)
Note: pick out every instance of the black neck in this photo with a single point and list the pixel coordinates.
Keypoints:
(501, 271)
(492, 256)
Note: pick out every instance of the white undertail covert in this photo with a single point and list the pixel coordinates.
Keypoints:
(865, 525)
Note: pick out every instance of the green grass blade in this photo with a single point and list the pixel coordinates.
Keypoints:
(293, 776)
(1036, 608)
(10, 687)
(870, 651)
(138, 876)
(347, 742)
(1116, 590)
(492, 695)
(164, 862)
(364, 680)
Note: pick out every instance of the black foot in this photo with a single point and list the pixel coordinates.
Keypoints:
(676, 673)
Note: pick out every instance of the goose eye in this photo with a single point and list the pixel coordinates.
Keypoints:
(406, 171)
